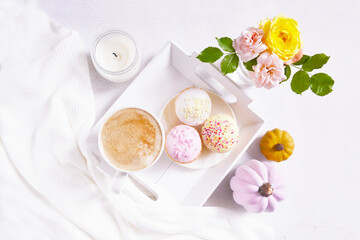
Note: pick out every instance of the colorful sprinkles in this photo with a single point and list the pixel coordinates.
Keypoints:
(220, 133)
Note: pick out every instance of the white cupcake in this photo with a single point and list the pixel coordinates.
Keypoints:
(193, 106)
(220, 133)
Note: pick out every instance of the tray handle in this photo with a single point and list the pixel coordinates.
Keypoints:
(215, 85)
(207, 76)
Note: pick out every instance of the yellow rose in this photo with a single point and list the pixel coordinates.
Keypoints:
(282, 36)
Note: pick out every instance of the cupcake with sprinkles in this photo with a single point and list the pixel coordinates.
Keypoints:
(193, 106)
(220, 133)
(183, 144)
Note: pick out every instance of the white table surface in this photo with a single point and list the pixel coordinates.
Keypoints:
(322, 176)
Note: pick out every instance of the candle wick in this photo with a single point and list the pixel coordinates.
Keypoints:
(115, 55)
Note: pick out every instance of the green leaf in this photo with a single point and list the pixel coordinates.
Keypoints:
(300, 82)
(315, 62)
(210, 54)
(226, 44)
(302, 60)
(248, 65)
(230, 63)
(321, 84)
(287, 73)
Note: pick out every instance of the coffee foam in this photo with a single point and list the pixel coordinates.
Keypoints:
(131, 139)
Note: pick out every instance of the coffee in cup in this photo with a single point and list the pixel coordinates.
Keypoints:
(131, 139)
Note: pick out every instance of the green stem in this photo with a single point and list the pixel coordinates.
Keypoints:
(295, 66)
(300, 69)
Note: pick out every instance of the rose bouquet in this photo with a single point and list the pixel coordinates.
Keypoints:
(269, 52)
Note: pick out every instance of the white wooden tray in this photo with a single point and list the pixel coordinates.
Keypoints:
(166, 75)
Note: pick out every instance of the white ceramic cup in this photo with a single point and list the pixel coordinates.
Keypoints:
(121, 176)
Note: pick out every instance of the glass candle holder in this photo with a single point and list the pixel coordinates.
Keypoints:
(115, 56)
(243, 76)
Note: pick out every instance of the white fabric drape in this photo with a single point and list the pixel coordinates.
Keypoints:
(49, 187)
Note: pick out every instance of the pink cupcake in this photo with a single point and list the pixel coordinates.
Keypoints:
(183, 144)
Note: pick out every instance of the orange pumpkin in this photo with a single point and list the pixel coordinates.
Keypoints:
(277, 145)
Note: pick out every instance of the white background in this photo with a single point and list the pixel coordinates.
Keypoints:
(323, 175)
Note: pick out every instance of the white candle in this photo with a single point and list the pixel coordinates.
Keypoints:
(115, 56)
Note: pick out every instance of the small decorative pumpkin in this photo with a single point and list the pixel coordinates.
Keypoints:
(277, 145)
(257, 187)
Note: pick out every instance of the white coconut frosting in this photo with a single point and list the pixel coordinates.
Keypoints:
(193, 106)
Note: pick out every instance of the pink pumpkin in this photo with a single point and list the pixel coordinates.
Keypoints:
(257, 187)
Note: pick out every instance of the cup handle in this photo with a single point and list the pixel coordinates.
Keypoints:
(118, 181)
(121, 179)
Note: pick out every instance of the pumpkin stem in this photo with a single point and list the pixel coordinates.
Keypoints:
(279, 147)
(266, 190)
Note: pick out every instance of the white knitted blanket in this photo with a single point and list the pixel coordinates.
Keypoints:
(49, 188)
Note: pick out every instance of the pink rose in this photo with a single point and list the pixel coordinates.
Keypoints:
(269, 71)
(249, 44)
(296, 58)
